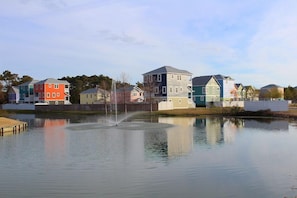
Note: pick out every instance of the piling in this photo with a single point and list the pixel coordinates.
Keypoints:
(8, 126)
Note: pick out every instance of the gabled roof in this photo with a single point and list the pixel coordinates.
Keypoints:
(93, 91)
(14, 89)
(52, 80)
(129, 88)
(222, 77)
(270, 86)
(167, 69)
(201, 80)
(237, 85)
(28, 83)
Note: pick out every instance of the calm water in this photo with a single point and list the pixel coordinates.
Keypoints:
(158, 157)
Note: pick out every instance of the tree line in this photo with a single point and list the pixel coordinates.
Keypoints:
(78, 84)
(83, 82)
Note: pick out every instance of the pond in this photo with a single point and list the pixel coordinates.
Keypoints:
(150, 157)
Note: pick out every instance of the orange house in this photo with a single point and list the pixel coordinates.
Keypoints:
(52, 91)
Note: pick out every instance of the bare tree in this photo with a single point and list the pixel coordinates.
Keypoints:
(149, 85)
(124, 79)
(105, 93)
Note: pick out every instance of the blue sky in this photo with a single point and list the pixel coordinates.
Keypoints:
(253, 41)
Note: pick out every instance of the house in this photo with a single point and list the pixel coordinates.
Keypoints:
(27, 91)
(13, 95)
(94, 96)
(227, 87)
(130, 94)
(251, 93)
(206, 90)
(52, 91)
(239, 92)
(170, 85)
(272, 92)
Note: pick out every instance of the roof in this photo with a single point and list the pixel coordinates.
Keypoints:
(52, 80)
(201, 80)
(222, 77)
(29, 82)
(270, 86)
(167, 69)
(93, 90)
(129, 88)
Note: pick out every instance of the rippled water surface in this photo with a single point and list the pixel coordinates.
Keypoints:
(151, 157)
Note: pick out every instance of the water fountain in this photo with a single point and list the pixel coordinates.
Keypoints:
(114, 94)
(115, 122)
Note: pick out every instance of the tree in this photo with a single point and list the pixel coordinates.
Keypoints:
(9, 79)
(124, 84)
(272, 93)
(82, 83)
(290, 94)
(105, 93)
(148, 86)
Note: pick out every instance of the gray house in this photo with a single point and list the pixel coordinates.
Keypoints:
(169, 84)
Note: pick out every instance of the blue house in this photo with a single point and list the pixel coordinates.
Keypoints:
(27, 91)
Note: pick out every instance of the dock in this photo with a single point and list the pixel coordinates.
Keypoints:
(11, 126)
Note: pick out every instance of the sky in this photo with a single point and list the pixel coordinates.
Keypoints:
(252, 41)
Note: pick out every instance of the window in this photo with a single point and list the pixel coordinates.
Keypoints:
(48, 95)
(201, 98)
(164, 90)
(156, 90)
(203, 90)
(66, 86)
(176, 90)
(56, 86)
(58, 94)
(150, 78)
(159, 78)
(53, 95)
(49, 85)
(170, 89)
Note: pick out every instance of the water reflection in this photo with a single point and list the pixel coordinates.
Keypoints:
(155, 157)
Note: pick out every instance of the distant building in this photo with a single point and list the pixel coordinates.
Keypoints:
(94, 96)
(272, 92)
(13, 95)
(170, 85)
(130, 94)
(227, 86)
(26, 91)
(239, 92)
(251, 93)
(52, 91)
(206, 90)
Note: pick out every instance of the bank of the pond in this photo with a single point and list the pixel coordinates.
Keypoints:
(11, 126)
(228, 111)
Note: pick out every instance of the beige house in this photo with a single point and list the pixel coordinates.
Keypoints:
(130, 94)
(272, 92)
(169, 86)
(94, 96)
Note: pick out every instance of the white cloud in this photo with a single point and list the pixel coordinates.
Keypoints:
(248, 40)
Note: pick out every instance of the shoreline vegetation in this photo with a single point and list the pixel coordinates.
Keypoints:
(196, 112)
(200, 111)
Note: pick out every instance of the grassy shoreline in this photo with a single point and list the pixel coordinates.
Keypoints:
(215, 111)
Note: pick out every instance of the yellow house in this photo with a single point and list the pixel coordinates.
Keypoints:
(94, 96)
